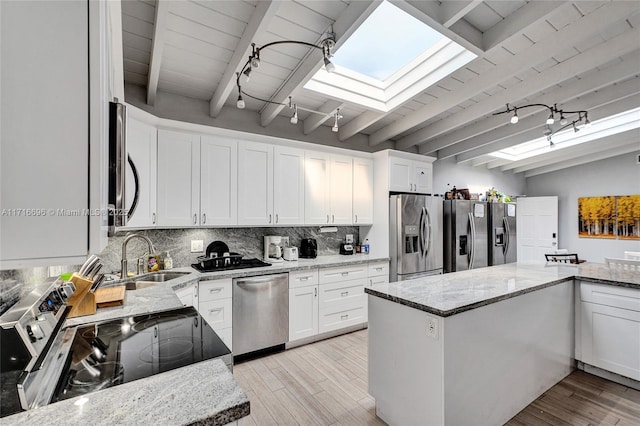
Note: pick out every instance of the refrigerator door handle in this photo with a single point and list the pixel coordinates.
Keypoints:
(505, 249)
(472, 244)
(426, 231)
(421, 232)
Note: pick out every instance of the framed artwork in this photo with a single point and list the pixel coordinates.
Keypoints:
(609, 217)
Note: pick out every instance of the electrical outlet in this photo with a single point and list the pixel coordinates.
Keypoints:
(197, 246)
(432, 327)
(349, 238)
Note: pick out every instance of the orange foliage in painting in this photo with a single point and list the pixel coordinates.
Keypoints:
(629, 217)
(609, 217)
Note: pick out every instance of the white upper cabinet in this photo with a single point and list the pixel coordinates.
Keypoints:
(178, 179)
(288, 181)
(341, 189)
(407, 175)
(317, 196)
(218, 181)
(44, 129)
(362, 191)
(142, 148)
(255, 183)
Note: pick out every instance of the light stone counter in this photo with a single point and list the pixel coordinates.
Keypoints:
(200, 394)
(454, 293)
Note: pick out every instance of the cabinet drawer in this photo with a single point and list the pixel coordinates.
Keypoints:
(377, 280)
(378, 269)
(217, 313)
(303, 278)
(335, 294)
(333, 275)
(226, 336)
(214, 290)
(341, 317)
(609, 295)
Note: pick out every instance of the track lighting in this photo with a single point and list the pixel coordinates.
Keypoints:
(294, 117)
(553, 110)
(328, 65)
(336, 117)
(240, 102)
(514, 117)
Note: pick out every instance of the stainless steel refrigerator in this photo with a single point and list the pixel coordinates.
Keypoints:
(465, 235)
(502, 233)
(415, 236)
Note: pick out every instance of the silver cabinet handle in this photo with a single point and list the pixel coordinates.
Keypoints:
(344, 274)
(333, 218)
(215, 290)
(343, 317)
(215, 310)
(195, 218)
(327, 218)
(276, 217)
(356, 218)
(315, 292)
(344, 294)
(153, 218)
(379, 269)
(204, 218)
(304, 278)
(269, 218)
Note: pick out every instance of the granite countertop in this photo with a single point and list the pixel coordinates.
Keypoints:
(204, 394)
(454, 293)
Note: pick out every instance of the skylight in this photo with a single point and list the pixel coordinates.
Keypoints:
(608, 126)
(388, 60)
(388, 40)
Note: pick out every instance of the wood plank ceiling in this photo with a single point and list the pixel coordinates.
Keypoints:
(579, 55)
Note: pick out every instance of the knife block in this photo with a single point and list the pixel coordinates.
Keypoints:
(82, 301)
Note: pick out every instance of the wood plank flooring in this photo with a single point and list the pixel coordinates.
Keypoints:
(325, 383)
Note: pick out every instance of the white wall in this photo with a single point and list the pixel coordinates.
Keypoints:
(614, 176)
(447, 174)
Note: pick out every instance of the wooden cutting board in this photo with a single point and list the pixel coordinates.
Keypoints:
(110, 296)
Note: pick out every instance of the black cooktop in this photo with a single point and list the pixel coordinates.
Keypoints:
(119, 351)
(244, 263)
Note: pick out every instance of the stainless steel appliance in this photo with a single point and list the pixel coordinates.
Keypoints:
(502, 233)
(308, 248)
(415, 236)
(42, 364)
(260, 312)
(465, 235)
(274, 246)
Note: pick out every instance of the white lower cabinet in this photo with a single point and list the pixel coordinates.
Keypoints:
(303, 304)
(342, 299)
(188, 296)
(610, 328)
(216, 307)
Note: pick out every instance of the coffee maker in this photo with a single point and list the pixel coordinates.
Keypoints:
(274, 246)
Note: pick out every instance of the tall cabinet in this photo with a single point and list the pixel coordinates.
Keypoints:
(141, 178)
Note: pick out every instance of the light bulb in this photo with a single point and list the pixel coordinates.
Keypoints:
(547, 131)
(575, 129)
(514, 118)
(240, 102)
(334, 128)
(563, 120)
(294, 117)
(255, 62)
(587, 123)
(247, 74)
(550, 119)
(328, 65)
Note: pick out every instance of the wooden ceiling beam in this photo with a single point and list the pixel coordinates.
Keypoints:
(258, 23)
(347, 23)
(157, 47)
(359, 123)
(539, 52)
(451, 12)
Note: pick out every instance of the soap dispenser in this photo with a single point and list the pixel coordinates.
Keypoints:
(168, 261)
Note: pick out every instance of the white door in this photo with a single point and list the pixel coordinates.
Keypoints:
(316, 187)
(536, 227)
(341, 189)
(288, 186)
(422, 177)
(303, 312)
(218, 181)
(400, 174)
(178, 178)
(362, 191)
(255, 183)
(141, 178)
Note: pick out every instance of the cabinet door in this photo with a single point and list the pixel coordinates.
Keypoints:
(255, 183)
(288, 186)
(43, 128)
(422, 177)
(186, 296)
(178, 178)
(362, 191)
(142, 148)
(303, 312)
(316, 188)
(341, 190)
(400, 175)
(218, 181)
(611, 339)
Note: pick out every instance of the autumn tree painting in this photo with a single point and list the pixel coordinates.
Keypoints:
(609, 217)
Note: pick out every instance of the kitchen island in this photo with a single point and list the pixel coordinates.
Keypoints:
(475, 347)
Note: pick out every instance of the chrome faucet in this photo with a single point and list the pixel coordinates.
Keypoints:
(123, 273)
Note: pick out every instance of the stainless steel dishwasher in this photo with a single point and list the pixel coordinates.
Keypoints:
(260, 312)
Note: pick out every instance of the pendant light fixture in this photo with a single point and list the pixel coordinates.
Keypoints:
(336, 117)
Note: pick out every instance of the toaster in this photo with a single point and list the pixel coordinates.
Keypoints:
(346, 249)
(308, 248)
(290, 253)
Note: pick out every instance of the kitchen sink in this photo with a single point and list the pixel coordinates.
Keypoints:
(152, 279)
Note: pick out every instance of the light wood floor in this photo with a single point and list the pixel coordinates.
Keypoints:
(325, 383)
